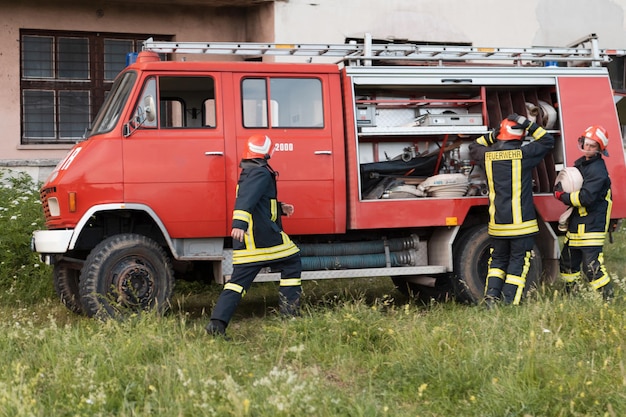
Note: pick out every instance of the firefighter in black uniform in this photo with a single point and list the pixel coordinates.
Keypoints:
(589, 222)
(512, 217)
(258, 238)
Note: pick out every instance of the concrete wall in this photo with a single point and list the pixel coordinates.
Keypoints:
(481, 22)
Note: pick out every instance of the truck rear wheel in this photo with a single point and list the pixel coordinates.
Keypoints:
(440, 291)
(66, 281)
(126, 273)
(471, 258)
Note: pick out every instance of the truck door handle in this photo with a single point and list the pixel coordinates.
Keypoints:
(456, 80)
(216, 153)
(323, 152)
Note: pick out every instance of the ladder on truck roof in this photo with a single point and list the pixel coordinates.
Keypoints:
(366, 52)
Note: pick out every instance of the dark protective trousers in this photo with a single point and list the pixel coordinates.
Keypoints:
(241, 280)
(508, 267)
(592, 260)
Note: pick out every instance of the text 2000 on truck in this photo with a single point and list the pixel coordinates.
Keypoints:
(372, 151)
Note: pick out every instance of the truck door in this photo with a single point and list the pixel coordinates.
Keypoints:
(295, 112)
(174, 162)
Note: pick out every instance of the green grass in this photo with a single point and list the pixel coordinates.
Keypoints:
(359, 349)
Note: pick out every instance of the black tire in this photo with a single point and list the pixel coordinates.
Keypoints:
(440, 292)
(124, 274)
(471, 258)
(66, 285)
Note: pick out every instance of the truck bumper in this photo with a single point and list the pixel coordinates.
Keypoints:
(51, 241)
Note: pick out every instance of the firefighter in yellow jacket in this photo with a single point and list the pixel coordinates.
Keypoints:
(589, 222)
(512, 216)
(258, 238)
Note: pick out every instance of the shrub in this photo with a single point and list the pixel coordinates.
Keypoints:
(23, 277)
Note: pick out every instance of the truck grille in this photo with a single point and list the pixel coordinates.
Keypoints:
(43, 195)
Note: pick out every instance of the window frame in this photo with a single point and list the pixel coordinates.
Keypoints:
(261, 110)
(96, 85)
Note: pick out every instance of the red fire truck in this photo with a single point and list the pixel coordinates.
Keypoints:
(371, 150)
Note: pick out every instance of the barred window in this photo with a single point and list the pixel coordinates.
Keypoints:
(65, 77)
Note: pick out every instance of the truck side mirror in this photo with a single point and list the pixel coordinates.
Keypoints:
(150, 108)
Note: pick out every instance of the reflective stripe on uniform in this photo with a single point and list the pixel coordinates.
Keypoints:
(539, 132)
(506, 230)
(600, 282)
(575, 199)
(519, 282)
(274, 209)
(290, 282)
(569, 278)
(234, 287)
(254, 254)
(496, 273)
(515, 280)
(244, 216)
(583, 238)
(516, 191)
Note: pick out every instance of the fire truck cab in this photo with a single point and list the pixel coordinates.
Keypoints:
(372, 152)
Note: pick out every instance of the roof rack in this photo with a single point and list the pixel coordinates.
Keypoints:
(365, 53)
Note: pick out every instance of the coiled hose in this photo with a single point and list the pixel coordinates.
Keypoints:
(370, 254)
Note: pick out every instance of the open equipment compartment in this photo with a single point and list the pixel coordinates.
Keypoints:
(409, 133)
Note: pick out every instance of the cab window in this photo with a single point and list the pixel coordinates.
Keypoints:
(282, 102)
(183, 102)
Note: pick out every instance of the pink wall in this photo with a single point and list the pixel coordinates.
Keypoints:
(184, 22)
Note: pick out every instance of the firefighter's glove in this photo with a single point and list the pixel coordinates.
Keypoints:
(558, 191)
(558, 195)
(522, 122)
(492, 136)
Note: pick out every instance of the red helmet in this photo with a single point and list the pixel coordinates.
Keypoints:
(258, 146)
(597, 134)
(508, 132)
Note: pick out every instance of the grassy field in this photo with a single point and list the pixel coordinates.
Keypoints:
(359, 349)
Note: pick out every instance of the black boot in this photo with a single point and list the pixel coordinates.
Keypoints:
(289, 301)
(493, 292)
(491, 302)
(607, 292)
(571, 288)
(217, 328)
(289, 309)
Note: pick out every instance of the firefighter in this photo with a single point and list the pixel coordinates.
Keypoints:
(258, 238)
(512, 217)
(589, 222)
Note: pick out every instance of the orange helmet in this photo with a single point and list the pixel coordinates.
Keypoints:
(597, 134)
(508, 131)
(258, 146)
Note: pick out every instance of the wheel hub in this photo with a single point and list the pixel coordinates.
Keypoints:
(134, 282)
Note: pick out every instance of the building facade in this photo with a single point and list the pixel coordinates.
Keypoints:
(59, 57)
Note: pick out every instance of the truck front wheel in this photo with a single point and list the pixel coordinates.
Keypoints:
(66, 281)
(471, 253)
(126, 273)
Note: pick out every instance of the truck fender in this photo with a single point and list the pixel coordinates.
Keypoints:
(121, 206)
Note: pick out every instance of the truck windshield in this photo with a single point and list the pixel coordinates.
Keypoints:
(109, 113)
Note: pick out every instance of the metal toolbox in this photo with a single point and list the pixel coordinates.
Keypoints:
(471, 119)
(365, 115)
